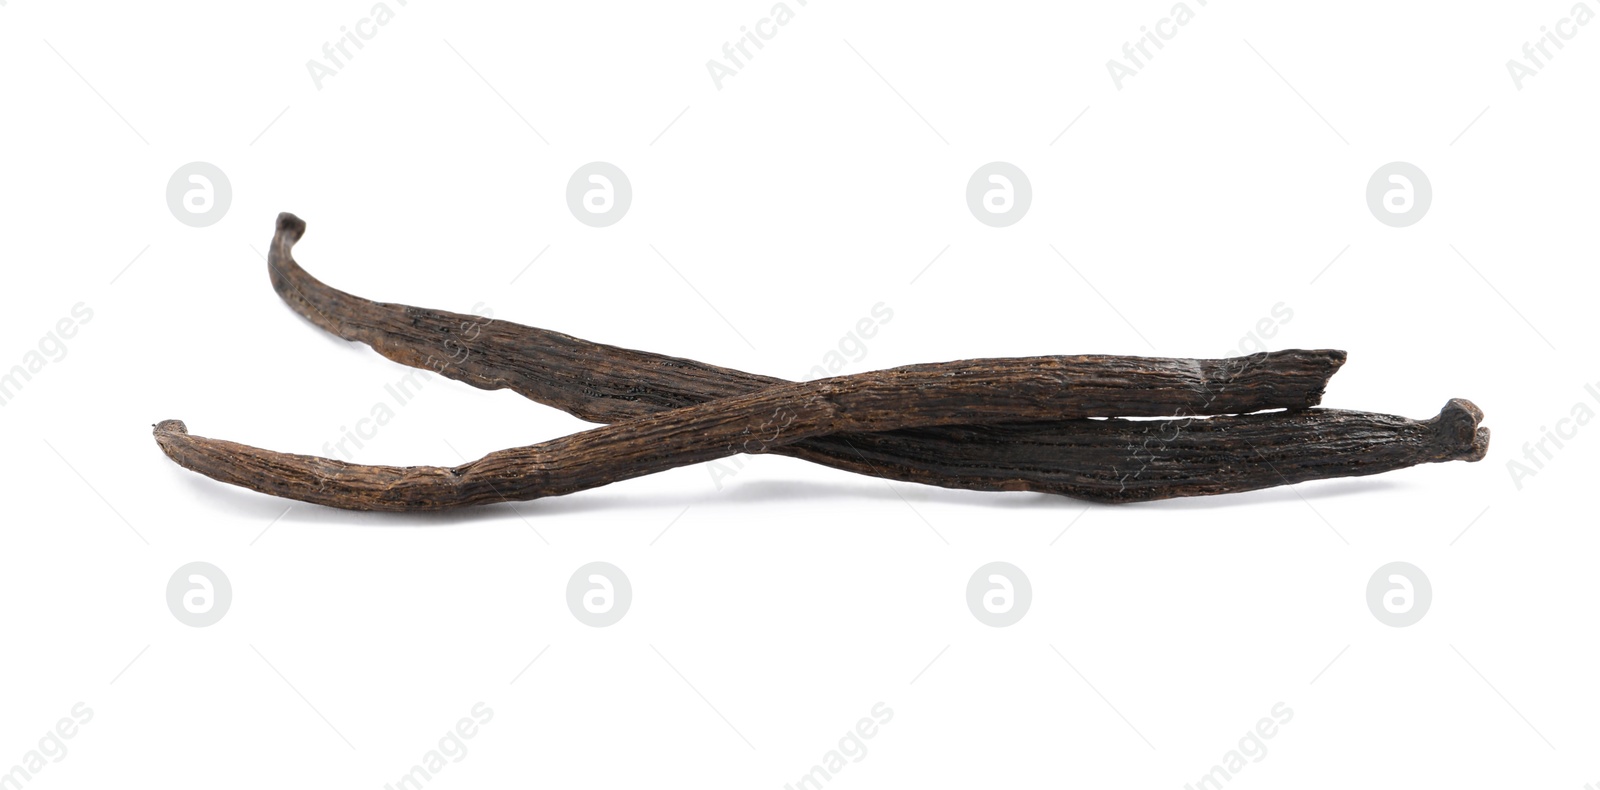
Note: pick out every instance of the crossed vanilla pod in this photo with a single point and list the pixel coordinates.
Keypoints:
(1006, 424)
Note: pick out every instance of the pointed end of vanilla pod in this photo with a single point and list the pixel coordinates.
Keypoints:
(167, 433)
(170, 426)
(290, 227)
(167, 429)
(1330, 361)
(1459, 434)
(1334, 359)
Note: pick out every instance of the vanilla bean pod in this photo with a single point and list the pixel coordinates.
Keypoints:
(603, 383)
(606, 383)
(945, 393)
(1122, 460)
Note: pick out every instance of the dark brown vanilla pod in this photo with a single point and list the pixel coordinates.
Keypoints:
(1121, 460)
(604, 383)
(944, 393)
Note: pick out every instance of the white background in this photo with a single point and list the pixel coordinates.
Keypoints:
(773, 612)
